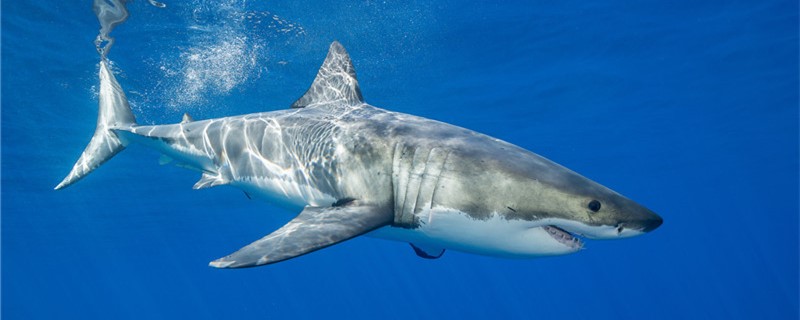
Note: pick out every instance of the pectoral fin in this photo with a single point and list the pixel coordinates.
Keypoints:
(313, 229)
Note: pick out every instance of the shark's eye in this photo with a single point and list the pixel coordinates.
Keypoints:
(594, 205)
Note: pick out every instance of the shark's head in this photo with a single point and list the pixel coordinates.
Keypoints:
(567, 205)
(535, 206)
(596, 213)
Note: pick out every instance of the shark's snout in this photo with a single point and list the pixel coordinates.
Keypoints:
(647, 224)
(642, 221)
(653, 223)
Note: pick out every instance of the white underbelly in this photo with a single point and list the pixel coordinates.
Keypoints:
(286, 193)
(447, 228)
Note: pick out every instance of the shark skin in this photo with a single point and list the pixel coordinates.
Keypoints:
(352, 169)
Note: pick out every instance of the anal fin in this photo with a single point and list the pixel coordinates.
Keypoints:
(164, 159)
(313, 229)
(426, 252)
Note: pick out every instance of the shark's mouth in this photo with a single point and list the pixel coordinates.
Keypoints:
(563, 237)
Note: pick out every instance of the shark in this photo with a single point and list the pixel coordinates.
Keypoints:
(352, 169)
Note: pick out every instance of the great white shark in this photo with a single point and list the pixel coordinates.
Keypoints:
(353, 169)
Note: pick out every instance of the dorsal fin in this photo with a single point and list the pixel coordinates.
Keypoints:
(335, 82)
(186, 118)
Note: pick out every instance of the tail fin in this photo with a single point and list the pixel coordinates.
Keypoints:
(114, 113)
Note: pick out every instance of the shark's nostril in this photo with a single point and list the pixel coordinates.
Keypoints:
(620, 228)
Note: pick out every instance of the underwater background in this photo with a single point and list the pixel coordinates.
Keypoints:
(687, 107)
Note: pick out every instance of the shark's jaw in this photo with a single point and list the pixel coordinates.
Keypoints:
(578, 229)
(563, 237)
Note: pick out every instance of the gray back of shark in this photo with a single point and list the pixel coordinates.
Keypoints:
(356, 169)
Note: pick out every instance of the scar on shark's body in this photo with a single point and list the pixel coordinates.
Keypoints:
(444, 187)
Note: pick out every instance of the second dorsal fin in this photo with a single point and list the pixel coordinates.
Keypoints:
(186, 118)
(335, 82)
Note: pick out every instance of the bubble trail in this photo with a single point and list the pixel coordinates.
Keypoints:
(110, 13)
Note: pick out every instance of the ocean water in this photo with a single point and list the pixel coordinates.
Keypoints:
(690, 108)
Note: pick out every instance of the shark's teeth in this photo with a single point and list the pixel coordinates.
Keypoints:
(564, 237)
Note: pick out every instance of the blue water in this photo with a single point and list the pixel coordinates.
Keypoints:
(690, 108)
